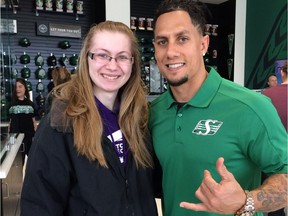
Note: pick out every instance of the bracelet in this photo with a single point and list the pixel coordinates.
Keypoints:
(248, 209)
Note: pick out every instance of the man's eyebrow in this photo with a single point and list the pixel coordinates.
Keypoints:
(177, 35)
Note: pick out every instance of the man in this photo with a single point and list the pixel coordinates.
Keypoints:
(278, 95)
(272, 80)
(203, 119)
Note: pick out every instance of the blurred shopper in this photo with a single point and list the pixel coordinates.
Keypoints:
(272, 80)
(60, 75)
(22, 114)
(278, 96)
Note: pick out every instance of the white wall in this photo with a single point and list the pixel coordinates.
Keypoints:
(239, 48)
(118, 10)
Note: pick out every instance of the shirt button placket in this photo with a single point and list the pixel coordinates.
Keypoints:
(178, 127)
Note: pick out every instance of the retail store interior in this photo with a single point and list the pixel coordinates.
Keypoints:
(248, 41)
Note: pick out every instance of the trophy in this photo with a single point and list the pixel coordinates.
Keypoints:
(59, 5)
(79, 7)
(149, 24)
(230, 42)
(207, 29)
(214, 30)
(133, 21)
(39, 4)
(141, 23)
(69, 6)
(48, 5)
(230, 67)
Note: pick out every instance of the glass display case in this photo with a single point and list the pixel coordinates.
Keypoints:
(7, 59)
(11, 173)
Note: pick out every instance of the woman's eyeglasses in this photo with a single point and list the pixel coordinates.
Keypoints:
(104, 58)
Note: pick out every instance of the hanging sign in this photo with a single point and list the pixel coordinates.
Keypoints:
(58, 30)
(8, 26)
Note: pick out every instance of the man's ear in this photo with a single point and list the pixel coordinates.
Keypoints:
(205, 44)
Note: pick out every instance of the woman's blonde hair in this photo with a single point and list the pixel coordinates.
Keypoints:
(82, 111)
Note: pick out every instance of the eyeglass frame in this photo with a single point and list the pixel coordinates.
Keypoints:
(109, 58)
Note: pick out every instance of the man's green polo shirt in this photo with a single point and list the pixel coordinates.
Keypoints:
(222, 120)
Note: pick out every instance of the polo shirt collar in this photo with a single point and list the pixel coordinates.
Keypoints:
(204, 95)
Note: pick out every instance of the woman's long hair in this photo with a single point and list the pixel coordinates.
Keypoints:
(84, 115)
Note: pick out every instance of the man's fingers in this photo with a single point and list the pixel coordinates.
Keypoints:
(208, 182)
(222, 170)
(193, 206)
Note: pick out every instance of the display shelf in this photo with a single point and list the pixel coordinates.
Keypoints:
(72, 13)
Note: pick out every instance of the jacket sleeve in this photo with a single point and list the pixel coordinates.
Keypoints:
(48, 173)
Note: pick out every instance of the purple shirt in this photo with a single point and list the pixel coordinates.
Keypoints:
(112, 130)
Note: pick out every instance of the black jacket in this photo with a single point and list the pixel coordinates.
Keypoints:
(59, 181)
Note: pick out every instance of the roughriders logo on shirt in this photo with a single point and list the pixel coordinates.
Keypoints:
(207, 127)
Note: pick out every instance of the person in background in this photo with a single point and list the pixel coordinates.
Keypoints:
(60, 75)
(272, 80)
(93, 154)
(278, 96)
(212, 137)
(22, 114)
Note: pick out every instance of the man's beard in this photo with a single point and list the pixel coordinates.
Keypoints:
(178, 82)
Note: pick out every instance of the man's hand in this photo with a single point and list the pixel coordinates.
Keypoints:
(225, 197)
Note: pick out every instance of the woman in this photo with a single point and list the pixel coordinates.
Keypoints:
(60, 75)
(22, 114)
(91, 156)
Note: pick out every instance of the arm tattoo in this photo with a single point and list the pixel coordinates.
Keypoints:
(272, 193)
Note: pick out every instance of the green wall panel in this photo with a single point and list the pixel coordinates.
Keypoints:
(266, 39)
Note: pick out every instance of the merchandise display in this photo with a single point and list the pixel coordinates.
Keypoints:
(29, 85)
(64, 44)
(64, 61)
(25, 72)
(6, 59)
(48, 53)
(24, 42)
(40, 73)
(79, 7)
(39, 4)
(59, 5)
(74, 60)
(39, 60)
(51, 60)
(40, 87)
(6, 72)
(24, 58)
(49, 73)
(40, 101)
(48, 5)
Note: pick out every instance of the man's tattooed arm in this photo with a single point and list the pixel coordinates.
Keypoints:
(272, 194)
